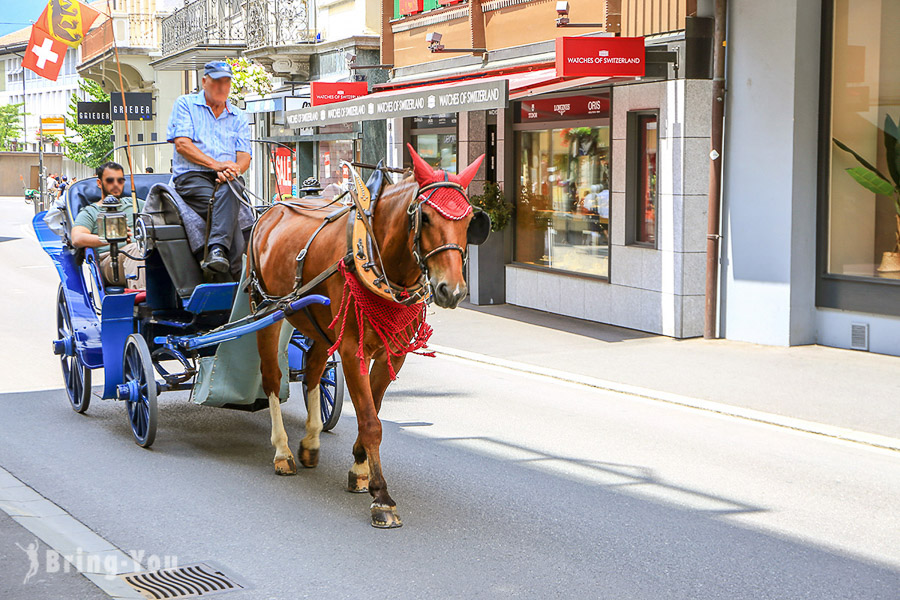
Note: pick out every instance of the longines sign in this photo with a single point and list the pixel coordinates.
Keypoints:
(416, 102)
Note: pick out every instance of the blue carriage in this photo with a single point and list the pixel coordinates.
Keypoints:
(180, 333)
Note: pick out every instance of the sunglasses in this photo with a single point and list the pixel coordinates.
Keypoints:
(114, 180)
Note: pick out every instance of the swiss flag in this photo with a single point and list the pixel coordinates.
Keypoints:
(44, 55)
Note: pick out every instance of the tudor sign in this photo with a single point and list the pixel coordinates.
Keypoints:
(324, 92)
(600, 57)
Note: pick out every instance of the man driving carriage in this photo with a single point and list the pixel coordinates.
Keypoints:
(212, 145)
(111, 181)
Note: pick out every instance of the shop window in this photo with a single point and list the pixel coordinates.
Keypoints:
(641, 187)
(434, 138)
(332, 177)
(562, 218)
(864, 227)
(860, 217)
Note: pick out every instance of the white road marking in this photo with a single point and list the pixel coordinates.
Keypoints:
(544, 373)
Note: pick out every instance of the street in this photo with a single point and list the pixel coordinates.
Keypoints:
(509, 485)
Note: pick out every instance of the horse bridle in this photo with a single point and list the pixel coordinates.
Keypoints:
(414, 210)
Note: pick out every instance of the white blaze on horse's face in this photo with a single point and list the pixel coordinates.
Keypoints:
(445, 269)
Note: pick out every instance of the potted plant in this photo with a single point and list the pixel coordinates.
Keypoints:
(487, 264)
(875, 181)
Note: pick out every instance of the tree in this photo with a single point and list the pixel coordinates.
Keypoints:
(10, 123)
(88, 144)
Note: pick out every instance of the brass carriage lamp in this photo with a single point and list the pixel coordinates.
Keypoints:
(112, 224)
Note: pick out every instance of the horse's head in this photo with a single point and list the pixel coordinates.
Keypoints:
(443, 223)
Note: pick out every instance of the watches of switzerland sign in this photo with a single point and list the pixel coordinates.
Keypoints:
(323, 92)
(600, 57)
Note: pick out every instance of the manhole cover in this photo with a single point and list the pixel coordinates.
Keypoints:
(188, 581)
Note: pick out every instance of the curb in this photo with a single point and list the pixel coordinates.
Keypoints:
(69, 537)
(749, 414)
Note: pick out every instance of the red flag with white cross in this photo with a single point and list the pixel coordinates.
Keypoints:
(44, 54)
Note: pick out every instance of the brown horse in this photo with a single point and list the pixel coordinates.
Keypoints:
(405, 247)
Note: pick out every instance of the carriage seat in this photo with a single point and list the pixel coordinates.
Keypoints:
(179, 233)
(85, 191)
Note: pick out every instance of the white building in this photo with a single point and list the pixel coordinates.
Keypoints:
(42, 97)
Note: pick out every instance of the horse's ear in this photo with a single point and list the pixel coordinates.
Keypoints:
(468, 174)
(421, 169)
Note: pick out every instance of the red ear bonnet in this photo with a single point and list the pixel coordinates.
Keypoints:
(449, 202)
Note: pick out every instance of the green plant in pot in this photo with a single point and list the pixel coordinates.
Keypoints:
(492, 202)
(875, 181)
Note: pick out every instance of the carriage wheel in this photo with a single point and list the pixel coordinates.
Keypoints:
(331, 392)
(139, 390)
(76, 375)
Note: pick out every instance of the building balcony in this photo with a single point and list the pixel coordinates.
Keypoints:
(201, 31)
(134, 35)
(281, 38)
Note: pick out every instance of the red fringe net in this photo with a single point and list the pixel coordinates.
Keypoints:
(402, 329)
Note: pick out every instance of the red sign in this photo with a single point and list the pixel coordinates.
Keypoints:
(410, 7)
(283, 179)
(600, 57)
(562, 109)
(326, 92)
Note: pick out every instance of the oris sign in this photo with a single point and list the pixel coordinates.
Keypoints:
(600, 57)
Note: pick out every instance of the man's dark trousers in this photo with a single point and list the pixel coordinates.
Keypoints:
(196, 187)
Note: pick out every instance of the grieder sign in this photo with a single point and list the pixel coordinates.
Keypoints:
(600, 57)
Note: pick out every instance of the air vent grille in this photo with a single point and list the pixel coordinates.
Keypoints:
(859, 336)
(189, 581)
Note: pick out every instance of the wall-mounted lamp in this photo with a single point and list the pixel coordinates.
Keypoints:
(435, 45)
(562, 17)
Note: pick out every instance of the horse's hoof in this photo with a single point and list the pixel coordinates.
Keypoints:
(385, 517)
(357, 484)
(285, 466)
(309, 458)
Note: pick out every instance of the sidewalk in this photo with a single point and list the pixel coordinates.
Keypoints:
(839, 388)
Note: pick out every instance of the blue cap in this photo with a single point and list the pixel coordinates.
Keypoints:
(217, 69)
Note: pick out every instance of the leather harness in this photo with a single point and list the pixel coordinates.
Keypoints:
(363, 254)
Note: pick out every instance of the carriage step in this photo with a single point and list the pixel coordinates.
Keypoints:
(189, 581)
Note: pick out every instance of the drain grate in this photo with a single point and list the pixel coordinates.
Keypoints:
(181, 582)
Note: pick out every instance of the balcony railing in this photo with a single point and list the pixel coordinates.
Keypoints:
(134, 31)
(97, 41)
(278, 23)
(204, 23)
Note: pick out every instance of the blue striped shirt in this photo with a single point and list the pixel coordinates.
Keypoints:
(218, 138)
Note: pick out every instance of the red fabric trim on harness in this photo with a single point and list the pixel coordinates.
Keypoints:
(402, 329)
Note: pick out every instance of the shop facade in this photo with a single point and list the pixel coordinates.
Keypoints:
(804, 253)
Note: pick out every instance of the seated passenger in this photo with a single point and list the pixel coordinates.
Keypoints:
(111, 181)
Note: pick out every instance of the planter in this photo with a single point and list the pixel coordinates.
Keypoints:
(487, 271)
(890, 262)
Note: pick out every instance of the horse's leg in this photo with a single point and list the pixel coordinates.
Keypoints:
(267, 343)
(316, 359)
(384, 509)
(379, 380)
